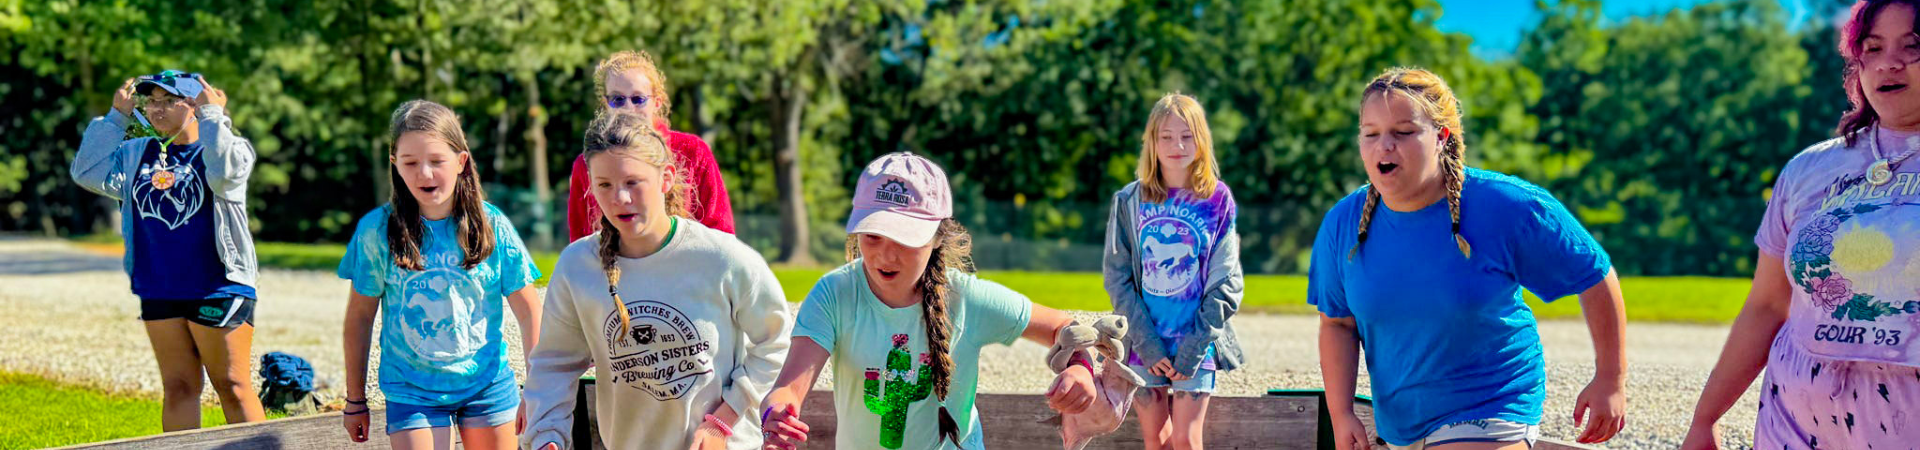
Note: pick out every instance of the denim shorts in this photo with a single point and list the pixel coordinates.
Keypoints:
(498, 404)
(1202, 381)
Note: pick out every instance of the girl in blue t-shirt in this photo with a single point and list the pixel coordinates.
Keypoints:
(1453, 352)
(1172, 267)
(439, 260)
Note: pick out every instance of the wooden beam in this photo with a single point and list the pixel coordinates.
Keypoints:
(1286, 420)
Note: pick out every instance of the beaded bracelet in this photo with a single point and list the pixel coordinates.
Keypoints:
(725, 431)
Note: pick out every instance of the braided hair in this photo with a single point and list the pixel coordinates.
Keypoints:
(1432, 96)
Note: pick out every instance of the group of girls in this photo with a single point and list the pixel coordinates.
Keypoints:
(692, 345)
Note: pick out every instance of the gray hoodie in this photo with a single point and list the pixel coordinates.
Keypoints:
(106, 162)
(1224, 286)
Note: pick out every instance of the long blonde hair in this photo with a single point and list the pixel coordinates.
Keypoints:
(1204, 172)
(635, 61)
(631, 135)
(1434, 99)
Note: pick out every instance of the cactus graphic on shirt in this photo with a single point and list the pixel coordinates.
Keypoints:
(888, 393)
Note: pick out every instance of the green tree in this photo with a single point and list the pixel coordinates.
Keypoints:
(1667, 130)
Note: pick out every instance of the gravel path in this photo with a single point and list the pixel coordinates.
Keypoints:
(71, 318)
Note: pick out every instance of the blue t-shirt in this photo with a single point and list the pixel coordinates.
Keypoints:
(440, 338)
(1177, 237)
(1448, 339)
(174, 255)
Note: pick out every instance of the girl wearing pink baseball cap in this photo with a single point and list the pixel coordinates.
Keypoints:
(906, 319)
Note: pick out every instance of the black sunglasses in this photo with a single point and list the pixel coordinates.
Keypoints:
(616, 101)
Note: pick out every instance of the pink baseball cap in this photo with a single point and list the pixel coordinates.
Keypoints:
(903, 197)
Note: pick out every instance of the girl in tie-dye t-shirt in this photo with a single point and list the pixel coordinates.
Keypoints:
(1172, 267)
(1835, 307)
(439, 265)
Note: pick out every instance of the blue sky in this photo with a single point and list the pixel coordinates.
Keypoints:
(1496, 25)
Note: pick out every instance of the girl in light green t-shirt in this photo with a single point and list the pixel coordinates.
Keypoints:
(906, 321)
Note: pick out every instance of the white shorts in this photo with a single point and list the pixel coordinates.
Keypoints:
(1490, 430)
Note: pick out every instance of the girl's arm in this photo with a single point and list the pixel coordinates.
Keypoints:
(1339, 372)
(1117, 268)
(553, 369)
(358, 341)
(1746, 350)
(1225, 287)
(1072, 390)
(578, 197)
(1606, 314)
(358, 330)
(781, 415)
(229, 157)
(1339, 361)
(527, 309)
(765, 324)
(96, 167)
(716, 209)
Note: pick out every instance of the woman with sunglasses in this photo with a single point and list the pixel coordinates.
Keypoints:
(1835, 304)
(629, 81)
(183, 197)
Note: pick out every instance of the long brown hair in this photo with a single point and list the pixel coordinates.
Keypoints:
(1852, 36)
(630, 135)
(1434, 99)
(952, 249)
(1203, 173)
(405, 227)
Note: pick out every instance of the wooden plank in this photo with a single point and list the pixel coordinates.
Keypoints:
(1284, 422)
(1013, 421)
(316, 432)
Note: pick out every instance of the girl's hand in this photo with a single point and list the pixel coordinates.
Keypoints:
(357, 423)
(1701, 438)
(1607, 401)
(123, 98)
(520, 423)
(1072, 390)
(211, 95)
(1164, 368)
(1349, 433)
(707, 437)
(783, 428)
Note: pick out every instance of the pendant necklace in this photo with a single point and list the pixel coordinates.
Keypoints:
(163, 176)
(1881, 171)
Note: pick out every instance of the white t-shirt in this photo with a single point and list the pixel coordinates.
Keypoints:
(709, 325)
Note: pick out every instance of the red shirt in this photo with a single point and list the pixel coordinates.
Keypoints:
(709, 204)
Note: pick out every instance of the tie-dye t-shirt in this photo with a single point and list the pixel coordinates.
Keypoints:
(1851, 250)
(1176, 241)
(440, 337)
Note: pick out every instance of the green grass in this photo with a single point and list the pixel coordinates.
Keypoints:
(42, 413)
(1649, 299)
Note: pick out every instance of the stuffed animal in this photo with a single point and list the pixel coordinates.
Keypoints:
(1114, 384)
